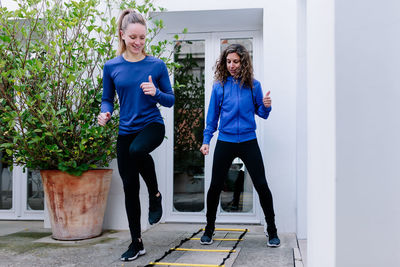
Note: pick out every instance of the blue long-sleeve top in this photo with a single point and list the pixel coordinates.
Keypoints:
(136, 109)
(236, 114)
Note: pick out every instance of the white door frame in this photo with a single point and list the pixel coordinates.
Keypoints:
(212, 52)
(19, 210)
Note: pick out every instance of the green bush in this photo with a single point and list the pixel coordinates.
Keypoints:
(51, 58)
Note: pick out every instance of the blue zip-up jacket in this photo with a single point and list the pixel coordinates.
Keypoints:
(136, 109)
(236, 115)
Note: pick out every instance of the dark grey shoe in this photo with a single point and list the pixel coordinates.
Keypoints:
(155, 209)
(273, 241)
(207, 238)
(135, 250)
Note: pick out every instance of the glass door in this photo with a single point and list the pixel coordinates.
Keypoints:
(188, 195)
(189, 182)
(6, 192)
(238, 202)
(21, 193)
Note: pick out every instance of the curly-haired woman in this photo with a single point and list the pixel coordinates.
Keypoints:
(236, 98)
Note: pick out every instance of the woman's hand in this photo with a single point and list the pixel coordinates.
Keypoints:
(204, 149)
(103, 118)
(148, 87)
(267, 100)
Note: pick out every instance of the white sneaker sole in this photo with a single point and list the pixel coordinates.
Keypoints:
(140, 253)
(206, 243)
(273, 245)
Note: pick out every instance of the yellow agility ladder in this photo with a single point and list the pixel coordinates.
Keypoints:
(192, 237)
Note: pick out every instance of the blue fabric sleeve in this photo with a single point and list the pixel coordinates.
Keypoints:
(212, 116)
(164, 94)
(261, 110)
(107, 101)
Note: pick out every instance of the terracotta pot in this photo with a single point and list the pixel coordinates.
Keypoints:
(76, 204)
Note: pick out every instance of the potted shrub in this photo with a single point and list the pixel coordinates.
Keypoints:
(51, 58)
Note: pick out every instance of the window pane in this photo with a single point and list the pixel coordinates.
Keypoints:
(246, 42)
(35, 191)
(188, 126)
(6, 186)
(237, 194)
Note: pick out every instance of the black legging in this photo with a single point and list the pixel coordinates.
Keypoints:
(133, 158)
(249, 152)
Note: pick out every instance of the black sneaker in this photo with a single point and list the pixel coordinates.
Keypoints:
(273, 241)
(155, 209)
(207, 238)
(234, 206)
(135, 250)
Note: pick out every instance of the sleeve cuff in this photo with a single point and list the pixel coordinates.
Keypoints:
(206, 141)
(158, 93)
(267, 110)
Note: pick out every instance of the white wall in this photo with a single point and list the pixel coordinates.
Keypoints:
(368, 133)
(11, 5)
(353, 134)
(301, 121)
(280, 76)
(115, 216)
(321, 133)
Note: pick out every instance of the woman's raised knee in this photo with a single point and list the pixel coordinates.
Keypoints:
(136, 152)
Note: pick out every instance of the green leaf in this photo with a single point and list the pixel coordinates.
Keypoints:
(5, 38)
(62, 110)
(71, 78)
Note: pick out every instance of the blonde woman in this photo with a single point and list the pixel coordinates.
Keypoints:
(141, 82)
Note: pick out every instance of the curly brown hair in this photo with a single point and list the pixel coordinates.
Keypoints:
(246, 67)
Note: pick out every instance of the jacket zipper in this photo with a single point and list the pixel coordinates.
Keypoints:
(238, 117)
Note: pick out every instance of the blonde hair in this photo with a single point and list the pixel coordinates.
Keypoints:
(127, 17)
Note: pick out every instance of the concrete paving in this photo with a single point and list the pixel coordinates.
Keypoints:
(29, 244)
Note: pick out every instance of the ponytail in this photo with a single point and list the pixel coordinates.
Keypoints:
(127, 17)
